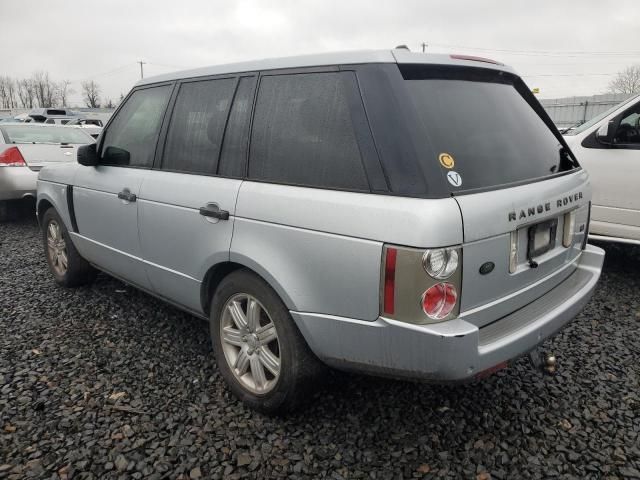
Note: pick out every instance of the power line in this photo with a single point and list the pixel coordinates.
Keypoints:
(178, 67)
(546, 53)
(103, 74)
(566, 74)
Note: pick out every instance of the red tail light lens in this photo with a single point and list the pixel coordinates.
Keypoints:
(389, 306)
(439, 300)
(12, 157)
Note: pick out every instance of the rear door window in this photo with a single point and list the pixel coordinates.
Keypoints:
(131, 137)
(303, 133)
(194, 138)
(481, 125)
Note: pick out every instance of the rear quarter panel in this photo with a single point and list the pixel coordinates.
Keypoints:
(321, 250)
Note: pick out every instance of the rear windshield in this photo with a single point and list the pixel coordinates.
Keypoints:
(40, 134)
(481, 128)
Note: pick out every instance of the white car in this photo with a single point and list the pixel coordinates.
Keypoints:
(608, 146)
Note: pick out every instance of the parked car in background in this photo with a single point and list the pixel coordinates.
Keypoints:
(387, 212)
(93, 126)
(16, 119)
(27, 147)
(564, 130)
(58, 116)
(608, 146)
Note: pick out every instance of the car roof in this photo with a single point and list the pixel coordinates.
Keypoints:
(52, 112)
(399, 55)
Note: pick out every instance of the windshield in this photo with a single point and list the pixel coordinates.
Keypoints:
(597, 118)
(40, 134)
(482, 127)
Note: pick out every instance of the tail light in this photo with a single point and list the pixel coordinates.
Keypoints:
(390, 281)
(513, 252)
(12, 157)
(585, 239)
(440, 263)
(438, 301)
(473, 58)
(412, 289)
(569, 228)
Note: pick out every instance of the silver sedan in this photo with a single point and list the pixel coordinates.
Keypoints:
(26, 148)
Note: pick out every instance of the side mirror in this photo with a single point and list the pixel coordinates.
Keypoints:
(88, 155)
(604, 134)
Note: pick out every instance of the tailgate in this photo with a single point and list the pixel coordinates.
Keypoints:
(532, 219)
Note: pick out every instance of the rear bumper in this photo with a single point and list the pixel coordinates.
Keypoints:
(453, 350)
(17, 182)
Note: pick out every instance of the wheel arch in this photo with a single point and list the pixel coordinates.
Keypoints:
(216, 273)
(53, 195)
(42, 206)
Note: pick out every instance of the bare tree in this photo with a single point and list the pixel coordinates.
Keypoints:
(12, 92)
(64, 91)
(626, 81)
(27, 93)
(91, 94)
(8, 92)
(109, 104)
(45, 88)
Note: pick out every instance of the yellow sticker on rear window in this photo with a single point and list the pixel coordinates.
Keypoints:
(446, 160)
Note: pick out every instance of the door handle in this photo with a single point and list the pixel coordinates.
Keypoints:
(127, 196)
(213, 211)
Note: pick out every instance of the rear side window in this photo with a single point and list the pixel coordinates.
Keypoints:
(194, 138)
(303, 133)
(131, 137)
(481, 126)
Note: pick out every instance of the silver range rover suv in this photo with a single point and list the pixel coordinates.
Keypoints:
(387, 212)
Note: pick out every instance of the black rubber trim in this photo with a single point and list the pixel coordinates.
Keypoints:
(72, 211)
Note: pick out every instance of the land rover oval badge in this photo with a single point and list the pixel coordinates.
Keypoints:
(487, 268)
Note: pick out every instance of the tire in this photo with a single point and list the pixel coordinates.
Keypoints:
(298, 367)
(77, 270)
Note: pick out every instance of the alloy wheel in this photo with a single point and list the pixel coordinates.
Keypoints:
(57, 248)
(250, 343)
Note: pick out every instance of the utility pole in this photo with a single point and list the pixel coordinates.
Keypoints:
(424, 47)
(141, 70)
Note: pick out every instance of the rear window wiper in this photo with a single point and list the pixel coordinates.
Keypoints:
(566, 158)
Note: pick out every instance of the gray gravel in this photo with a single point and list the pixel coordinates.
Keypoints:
(108, 382)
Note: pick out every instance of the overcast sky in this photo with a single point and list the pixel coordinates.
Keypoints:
(569, 47)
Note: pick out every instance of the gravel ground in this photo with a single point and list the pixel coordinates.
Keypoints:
(108, 382)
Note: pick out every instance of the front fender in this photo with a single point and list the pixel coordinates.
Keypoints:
(54, 194)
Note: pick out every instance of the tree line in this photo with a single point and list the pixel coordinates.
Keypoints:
(41, 91)
(626, 81)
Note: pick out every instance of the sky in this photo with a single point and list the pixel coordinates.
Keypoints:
(564, 48)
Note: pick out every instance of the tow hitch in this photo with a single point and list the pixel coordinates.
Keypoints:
(545, 362)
